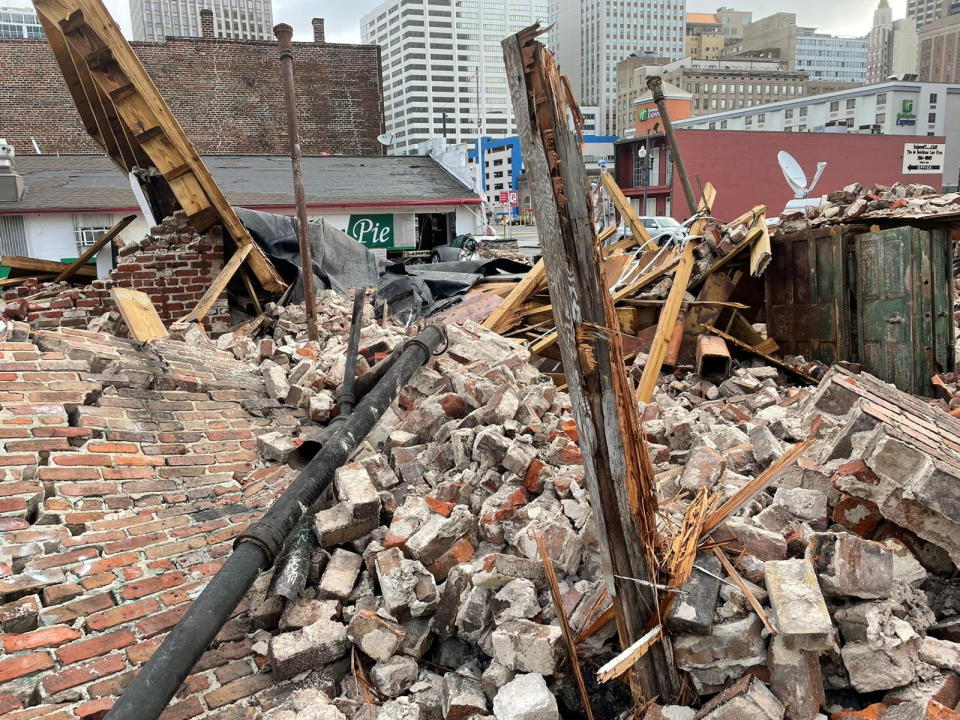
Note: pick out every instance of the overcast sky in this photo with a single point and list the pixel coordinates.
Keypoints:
(840, 17)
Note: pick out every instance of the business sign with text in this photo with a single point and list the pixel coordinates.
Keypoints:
(923, 158)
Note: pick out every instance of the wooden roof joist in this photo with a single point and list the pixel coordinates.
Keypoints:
(125, 114)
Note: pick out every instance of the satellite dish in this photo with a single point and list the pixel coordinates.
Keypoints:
(386, 139)
(795, 177)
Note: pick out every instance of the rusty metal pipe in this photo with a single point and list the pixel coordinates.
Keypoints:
(284, 35)
(655, 85)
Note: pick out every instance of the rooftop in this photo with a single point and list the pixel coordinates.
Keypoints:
(702, 19)
(90, 182)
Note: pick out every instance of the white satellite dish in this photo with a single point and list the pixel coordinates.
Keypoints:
(386, 139)
(797, 180)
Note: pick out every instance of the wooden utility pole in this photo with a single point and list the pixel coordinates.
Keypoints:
(619, 475)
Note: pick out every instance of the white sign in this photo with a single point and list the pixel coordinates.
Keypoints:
(923, 158)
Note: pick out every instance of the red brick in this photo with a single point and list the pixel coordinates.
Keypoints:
(43, 638)
(241, 688)
(73, 676)
(24, 665)
(122, 614)
(161, 622)
(152, 585)
(112, 448)
(94, 646)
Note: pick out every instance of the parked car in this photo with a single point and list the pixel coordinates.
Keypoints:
(462, 247)
(657, 225)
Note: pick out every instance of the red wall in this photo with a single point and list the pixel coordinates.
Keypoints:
(742, 165)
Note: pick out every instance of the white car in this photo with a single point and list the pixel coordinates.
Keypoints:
(657, 225)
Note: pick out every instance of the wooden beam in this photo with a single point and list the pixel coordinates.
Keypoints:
(760, 251)
(71, 269)
(666, 326)
(617, 470)
(751, 598)
(32, 266)
(626, 210)
(218, 285)
(504, 317)
(139, 314)
(91, 33)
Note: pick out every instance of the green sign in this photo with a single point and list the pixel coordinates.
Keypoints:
(374, 231)
(907, 107)
(644, 114)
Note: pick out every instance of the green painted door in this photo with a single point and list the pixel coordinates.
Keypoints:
(903, 291)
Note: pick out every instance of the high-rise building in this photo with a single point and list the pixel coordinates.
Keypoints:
(442, 66)
(924, 12)
(703, 39)
(591, 36)
(938, 59)
(153, 20)
(825, 58)
(732, 23)
(19, 22)
(891, 45)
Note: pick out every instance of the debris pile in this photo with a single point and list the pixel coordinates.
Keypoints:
(878, 202)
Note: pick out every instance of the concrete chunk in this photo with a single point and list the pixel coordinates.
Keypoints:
(308, 648)
(526, 697)
(336, 526)
(377, 637)
(394, 676)
(438, 534)
(406, 584)
(527, 646)
(356, 492)
(849, 566)
(462, 696)
(340, 575)
(798, 606)
(748, 698)
(796, 680)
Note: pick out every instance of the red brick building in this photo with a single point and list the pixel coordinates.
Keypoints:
(225, 93)
(743, 167)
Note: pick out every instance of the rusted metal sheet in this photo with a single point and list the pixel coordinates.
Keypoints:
(808, 294)
(903, 298)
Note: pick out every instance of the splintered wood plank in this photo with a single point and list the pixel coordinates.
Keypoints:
(88, 30)
(504, 316)
(617, 468)
(32, 266)
(139, 314)
(218, 285)
(666, 326)
(626, 209)
(81, 261)
(769, 358)
(761, 252)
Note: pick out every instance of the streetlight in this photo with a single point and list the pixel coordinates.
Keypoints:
(644, 177)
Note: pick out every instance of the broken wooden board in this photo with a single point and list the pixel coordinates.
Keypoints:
(21, 266)
(139, 314)
(718, 288)
(81, 262)
(777, 362)
(123, 111)
(626, 210)
(218, 285)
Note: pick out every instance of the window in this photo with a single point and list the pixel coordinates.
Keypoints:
(835, 106)
(851, 104)
(881, 99)
(932, 118)
(87, 229)
(933, 98)
(13, 236)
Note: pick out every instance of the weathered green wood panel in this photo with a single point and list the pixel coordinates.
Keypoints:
(807, 295)
(904, 286)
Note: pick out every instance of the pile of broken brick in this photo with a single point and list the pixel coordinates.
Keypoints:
(427, 596)
(877, 202)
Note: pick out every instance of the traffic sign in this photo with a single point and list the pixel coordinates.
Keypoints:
(923, 158)
(514, 198)
(504, 197)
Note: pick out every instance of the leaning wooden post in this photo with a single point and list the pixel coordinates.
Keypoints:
(619, 475)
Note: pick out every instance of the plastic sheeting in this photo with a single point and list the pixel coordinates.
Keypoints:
(341, 263)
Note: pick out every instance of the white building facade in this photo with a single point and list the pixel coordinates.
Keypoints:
(829, 58)
(442, 65)
(20, 23)
(153, 20)
(591, 36)
(889, 108)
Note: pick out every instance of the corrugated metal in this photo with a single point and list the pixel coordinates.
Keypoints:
(13, 236)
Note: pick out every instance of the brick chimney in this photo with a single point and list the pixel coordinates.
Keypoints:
(319, 36)
(206, 23)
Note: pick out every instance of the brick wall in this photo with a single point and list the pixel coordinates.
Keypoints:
(126, 474)
(225, 93)
(173, 265)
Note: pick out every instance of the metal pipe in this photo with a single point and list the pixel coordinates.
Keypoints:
(347, 396)
(371, 377)
(259, 545)
(284, 35)
(655, 85)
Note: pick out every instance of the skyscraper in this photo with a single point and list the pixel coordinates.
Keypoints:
(238, 19)
(926, 11)
(591, 36)
(891, 45)
(442, 65)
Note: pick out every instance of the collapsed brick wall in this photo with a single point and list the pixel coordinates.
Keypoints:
(173, 265)
(225, 93)
(125, 474)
